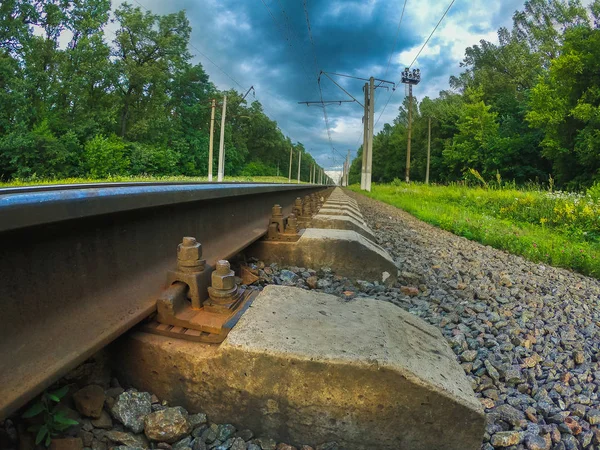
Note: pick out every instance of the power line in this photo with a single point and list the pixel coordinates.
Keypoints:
(436, 27)
(396, 39)
(415, 59)
(312, 42)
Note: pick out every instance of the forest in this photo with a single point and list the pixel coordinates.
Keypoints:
(523, 110)
(79, 100)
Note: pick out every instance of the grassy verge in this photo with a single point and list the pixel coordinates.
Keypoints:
(37, 182)
(554, 229)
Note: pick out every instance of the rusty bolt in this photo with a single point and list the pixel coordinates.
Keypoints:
(292, 225)
(276, 211)
(189, 254)
(223, 278)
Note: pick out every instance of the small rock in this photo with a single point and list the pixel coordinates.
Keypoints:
(283, 446)
(104, 421)
(252, 446)
(183, 443)
(246, 435)
(225, 432)
(86, 438)
(409, 290)
(573, 425)
(593, 416)
(288, 278)
(578, 357)
(89, 401)
(306, 447)
(323, 283)
(195, 420)
(238, 444)
(199, 445)
(131, 408)
(468, 355)
(114, 392)
(535, 442)
(312, 281)
(506, 438)
(67, 443)
(210, 434)
(128, 439)
(168, 425)
(266, 443)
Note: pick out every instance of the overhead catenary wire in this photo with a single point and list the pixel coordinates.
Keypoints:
(312, 42)
(418, 54)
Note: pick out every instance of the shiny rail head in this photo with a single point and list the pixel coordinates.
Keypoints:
(30, 206)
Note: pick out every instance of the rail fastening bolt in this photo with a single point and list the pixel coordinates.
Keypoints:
(223, 278)
(189, 255)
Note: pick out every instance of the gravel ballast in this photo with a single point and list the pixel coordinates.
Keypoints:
(526, 334)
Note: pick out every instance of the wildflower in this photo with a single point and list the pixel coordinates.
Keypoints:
(543, 220)
(534, 244)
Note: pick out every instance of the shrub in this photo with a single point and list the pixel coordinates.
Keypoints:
(147, 159)
(106, 156)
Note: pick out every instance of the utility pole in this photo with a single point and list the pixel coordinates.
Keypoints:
(428, 152)
(299, 163)
(290, 175)
(210, 142)
(370, 143)
(314, 173)
(221, 171)
(348, 169)
(363, 173)
(410, 78)
(277, 168)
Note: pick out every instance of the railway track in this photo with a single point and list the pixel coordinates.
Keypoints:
(82, 264)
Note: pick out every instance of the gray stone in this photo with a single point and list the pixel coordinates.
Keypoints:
(128, 439)
(535, 442)
(131, 408)
(196, 420)
(104, 421)
(265, 443)
(225, 432)
(506, 438)
(183, 443)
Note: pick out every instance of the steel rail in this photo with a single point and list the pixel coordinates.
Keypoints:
(81, 265)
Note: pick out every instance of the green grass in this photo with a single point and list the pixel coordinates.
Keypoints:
(558, 229)
(117, 179)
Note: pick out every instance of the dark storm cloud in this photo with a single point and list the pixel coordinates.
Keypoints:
(269, 47)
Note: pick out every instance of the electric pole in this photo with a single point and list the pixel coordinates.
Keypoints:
(370, 143)
(428, 152)
(410, 78)
(290, 175)
(210, 142)
(314, 173)
(277, 168)
(221, 170)
(348, 169)
(363, 173)
(299, 163)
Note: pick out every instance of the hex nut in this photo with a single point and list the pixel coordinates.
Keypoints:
(189, 250)
(223, 277)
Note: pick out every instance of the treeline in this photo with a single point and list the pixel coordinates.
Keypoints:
(78, 100)
(526, 109)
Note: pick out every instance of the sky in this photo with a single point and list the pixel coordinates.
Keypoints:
(267, 44)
